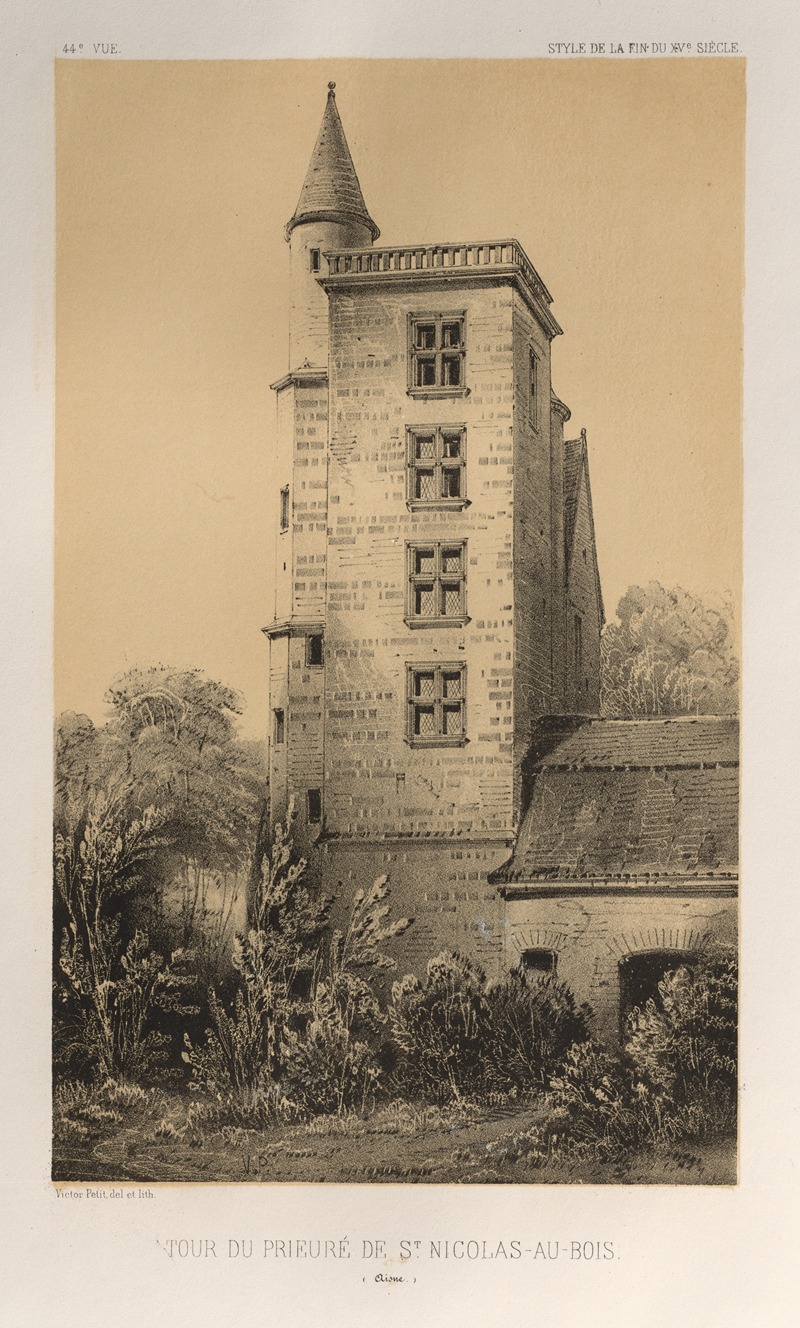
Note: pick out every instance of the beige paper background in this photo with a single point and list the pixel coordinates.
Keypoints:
(625, 184)
(686, 1256)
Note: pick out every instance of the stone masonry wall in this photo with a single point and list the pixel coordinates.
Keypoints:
(442, 886)
(584, 690)
(375, 782)
(592, 932)
(532, 553)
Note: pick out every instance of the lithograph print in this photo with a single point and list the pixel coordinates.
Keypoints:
(398, 513)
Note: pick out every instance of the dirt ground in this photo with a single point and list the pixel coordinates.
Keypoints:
(156, 1139)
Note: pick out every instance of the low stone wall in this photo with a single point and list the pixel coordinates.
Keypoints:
(592, 933)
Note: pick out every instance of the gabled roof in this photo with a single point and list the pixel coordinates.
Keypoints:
(576, 472)
(615, 800)
(331, 191)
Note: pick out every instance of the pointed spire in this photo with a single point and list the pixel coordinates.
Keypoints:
(331, 191)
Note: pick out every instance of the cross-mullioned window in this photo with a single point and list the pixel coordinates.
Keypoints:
(437, 583)
(436, 705)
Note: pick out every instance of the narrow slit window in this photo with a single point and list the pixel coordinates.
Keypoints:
(534, 385)
(278, 727)
(315, 651)
(314, 801)
(314, 259)
(285, 507)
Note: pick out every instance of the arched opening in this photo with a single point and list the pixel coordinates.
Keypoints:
(538, 963)
(639, 976)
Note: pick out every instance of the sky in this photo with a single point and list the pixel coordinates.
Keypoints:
(622, 180)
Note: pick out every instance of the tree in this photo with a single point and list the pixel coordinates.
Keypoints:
(669, 653)
(110, 984)
(171, 741)
(275, 962)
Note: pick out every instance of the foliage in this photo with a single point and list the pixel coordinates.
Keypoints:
(534, 1022)
(595, 1103)
(460, 1036)
(439, 1025)
(331, 1064)
(240, 1057)
(110, 986)
(669, 653)
(675, 1080)
(170, 740)
(685, 1047)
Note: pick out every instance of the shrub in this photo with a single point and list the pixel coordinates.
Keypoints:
(304, 1014)
(329, 1070)
(459, 1036)
(110, 989)
(440, 1027)
(685, 1052)
(240, 1057)
(533, 1023)
(676, 1078)
(594, 1102)
(332, 1065)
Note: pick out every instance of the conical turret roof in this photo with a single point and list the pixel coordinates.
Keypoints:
(331, 191)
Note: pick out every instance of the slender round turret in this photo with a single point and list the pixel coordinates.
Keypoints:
(330, 214)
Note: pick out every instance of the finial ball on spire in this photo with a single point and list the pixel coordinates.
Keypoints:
(331, 89)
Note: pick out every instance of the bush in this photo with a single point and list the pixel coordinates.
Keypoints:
(440, 1027)
(329, 1070)
(239, 1059)
(459, 1036)
(595, 1103)
(676, 1079)
(685, 1052)
(304, 1015)
(331, 1064)
(534, 1022)
(111, 989)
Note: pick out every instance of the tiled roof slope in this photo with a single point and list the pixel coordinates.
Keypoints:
(603, 744)
(613, 799)
(331, 191)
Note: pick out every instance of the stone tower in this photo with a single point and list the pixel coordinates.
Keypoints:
(436, 586)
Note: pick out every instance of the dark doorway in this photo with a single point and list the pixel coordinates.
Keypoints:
(639, 976)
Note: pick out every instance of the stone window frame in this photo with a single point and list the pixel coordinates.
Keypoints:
(285, 510)
(440, 353)
(439, 579)
(439, 465)
(441, 701)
